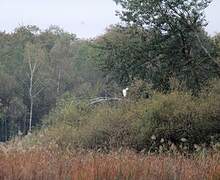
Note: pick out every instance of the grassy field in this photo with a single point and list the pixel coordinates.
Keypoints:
(124, 165)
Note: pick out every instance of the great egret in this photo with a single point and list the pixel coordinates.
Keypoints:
(124, 92)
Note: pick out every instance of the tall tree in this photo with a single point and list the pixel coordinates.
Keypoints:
(34, 57)
(181, 47)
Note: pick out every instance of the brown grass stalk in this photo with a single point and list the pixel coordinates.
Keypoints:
(126, 165)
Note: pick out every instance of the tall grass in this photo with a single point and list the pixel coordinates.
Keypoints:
(55, 165)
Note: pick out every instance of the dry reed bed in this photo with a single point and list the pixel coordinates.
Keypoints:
(127, 165)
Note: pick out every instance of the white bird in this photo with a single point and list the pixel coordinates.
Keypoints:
(124, 92)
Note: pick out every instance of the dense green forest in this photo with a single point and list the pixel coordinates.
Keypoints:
(161, 51)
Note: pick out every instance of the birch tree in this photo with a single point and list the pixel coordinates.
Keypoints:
(34, 57)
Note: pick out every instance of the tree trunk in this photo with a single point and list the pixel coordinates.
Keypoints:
(31, 101)
(58, 83)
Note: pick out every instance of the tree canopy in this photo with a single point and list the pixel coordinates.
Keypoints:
(171, 41)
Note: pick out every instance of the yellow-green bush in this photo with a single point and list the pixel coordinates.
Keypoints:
(112, 126)
(178, 117)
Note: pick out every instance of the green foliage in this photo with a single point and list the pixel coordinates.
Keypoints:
(161, 39)
(68, 110)
(179, 115)
(104, 126)
(111, 127)
(8, 87)
(122, 54)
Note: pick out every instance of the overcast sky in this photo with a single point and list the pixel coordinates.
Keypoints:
(86, 18)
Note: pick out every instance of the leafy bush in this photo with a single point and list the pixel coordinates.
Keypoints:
(180, 118)
(112, 127)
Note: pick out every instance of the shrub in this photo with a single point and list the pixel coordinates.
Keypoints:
(177, 116)
(112, 127)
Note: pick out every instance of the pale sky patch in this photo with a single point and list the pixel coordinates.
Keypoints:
(86, 18)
